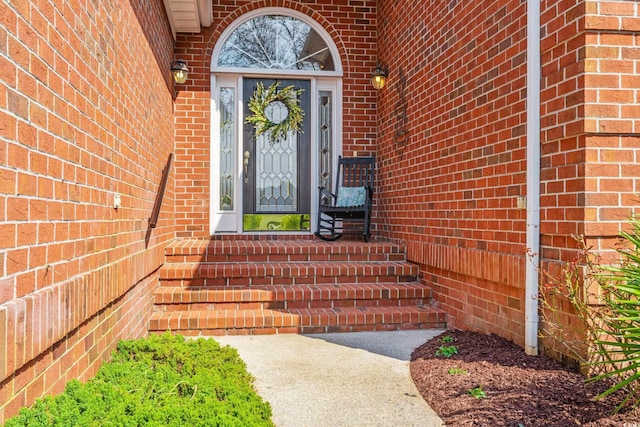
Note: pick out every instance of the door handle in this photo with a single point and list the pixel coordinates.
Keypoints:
(247, 155)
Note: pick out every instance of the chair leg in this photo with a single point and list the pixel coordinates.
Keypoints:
(367, 226)
(334, 235)
(328, 237)
(331, 228)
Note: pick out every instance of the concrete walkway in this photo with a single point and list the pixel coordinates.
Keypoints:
(339, 380)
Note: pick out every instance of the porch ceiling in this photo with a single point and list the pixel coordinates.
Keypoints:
(188, 16)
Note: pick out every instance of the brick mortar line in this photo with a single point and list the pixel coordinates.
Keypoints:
(89, 286)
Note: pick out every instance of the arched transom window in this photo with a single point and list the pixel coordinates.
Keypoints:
(276, 42)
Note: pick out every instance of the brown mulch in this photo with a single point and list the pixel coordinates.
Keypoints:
(520, 390)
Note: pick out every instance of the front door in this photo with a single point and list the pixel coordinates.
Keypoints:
(276, 173)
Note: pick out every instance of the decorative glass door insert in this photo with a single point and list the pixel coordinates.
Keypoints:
(277, 170)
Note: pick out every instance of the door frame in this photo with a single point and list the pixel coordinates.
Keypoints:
(231, 221)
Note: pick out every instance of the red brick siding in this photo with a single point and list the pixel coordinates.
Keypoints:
(353, 28)
(85, 111)
(590, 134)
(612, 118)
(562, 172)
(192, 165)
(562, 114)
(451, 190)
(589, 122)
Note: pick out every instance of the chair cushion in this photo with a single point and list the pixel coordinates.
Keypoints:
(351, 196)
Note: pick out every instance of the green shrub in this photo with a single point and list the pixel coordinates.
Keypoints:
(477, 392)
(619, 346)
(606, 299)
(447, 350)
(159, 381)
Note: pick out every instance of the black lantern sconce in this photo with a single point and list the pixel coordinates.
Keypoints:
(379, 77)
(180, 71)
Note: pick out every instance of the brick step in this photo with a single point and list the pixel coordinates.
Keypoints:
(319, 320)
(289, 285)
(302, 250)
(238, 274)
(286, 297)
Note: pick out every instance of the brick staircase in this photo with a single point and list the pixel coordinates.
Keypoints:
(289, 286)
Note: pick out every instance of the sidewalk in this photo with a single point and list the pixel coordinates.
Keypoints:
(338, 380)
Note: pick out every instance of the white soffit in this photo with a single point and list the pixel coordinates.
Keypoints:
(189, 16)
(205, 9)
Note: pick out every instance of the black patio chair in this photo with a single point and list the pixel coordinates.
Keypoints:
(348, 210)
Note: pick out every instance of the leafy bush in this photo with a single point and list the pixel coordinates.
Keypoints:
(477, 392)
(295, 222)
(446, 339)
(619, 343)
(606, 299)
(447, 350)
(159, 381)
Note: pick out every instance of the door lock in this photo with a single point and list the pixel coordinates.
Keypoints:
(247, 155)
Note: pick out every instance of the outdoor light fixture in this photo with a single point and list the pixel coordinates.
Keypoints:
(180, 71)
(379, 77)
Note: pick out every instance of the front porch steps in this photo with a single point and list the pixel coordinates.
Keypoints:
(289, 286)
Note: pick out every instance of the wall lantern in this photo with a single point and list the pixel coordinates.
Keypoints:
(180, 71)
(379, 77)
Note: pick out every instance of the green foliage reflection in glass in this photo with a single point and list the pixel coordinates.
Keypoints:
(276, 222)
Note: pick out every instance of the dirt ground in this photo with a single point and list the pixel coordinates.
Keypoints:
(519, 390)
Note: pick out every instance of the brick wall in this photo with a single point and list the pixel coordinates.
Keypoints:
(451, 153)
(451, 143)
(590, 130)
(85, 111)
(353, 28)
(611, 118)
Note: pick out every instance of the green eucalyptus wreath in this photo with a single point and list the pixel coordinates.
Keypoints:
(262, 98)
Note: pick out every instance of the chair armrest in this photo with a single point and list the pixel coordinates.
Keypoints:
(325, 192)
(328, 196)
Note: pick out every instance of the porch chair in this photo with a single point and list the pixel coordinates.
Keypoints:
(348, 210)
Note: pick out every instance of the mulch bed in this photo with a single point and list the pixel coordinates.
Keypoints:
(520, 390)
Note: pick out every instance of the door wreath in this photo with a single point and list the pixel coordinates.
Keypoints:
(275, 112)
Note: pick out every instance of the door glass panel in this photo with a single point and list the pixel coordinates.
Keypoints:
(276, 42)
(227, 133)
(276, 174)
(325, 138)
